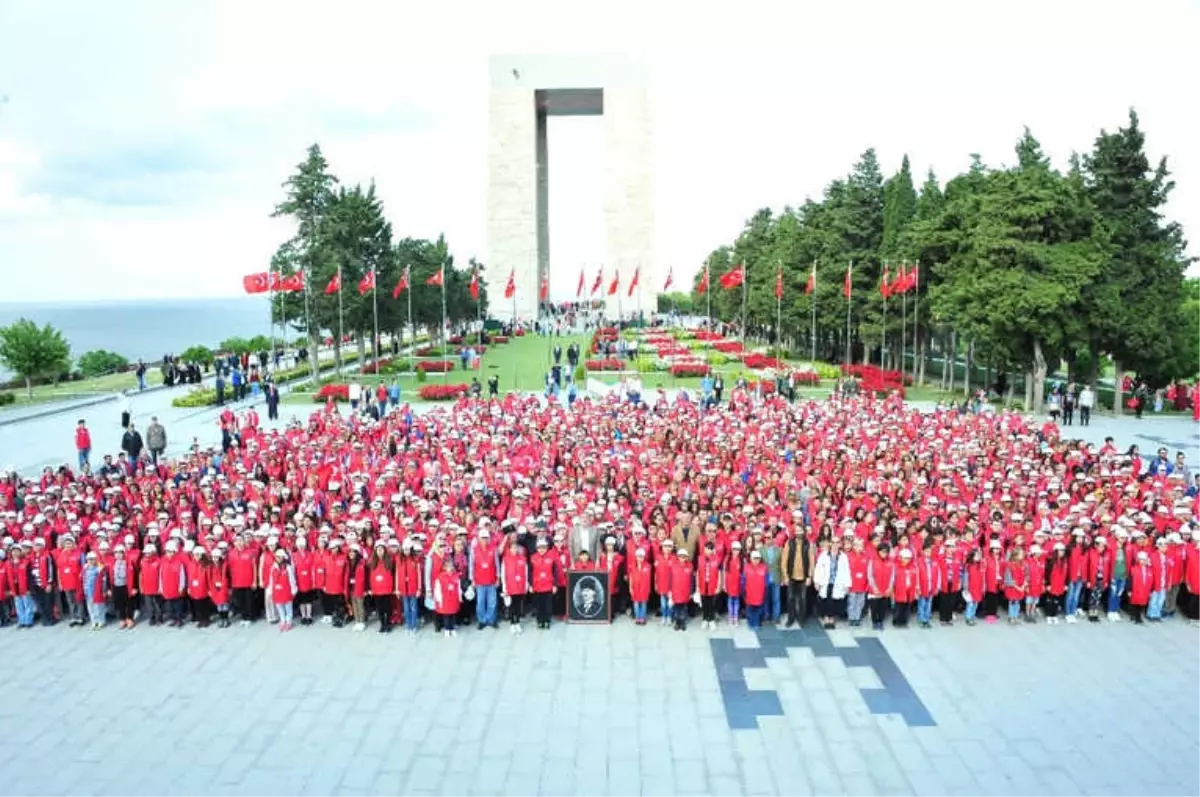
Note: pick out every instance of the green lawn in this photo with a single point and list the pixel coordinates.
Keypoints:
(109, 383)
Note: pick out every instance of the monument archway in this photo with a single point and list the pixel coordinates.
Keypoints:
(525, 91)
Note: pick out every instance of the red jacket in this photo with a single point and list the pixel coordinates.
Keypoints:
(483, 565)
(905, 589)
(708, 575)
(1141, 584)
(516, 574)
(320, 566)
(302, 563)
(543, 567)
(733, 575)
(662, 574)
(356, 577)
(930, 577)
(173, 571)
(1078, 563)
(993, 573)
(448, 601)
(83, 438)
(681, 581)
(241, 568)
(1099, 568)
(149, 572)
(19, 577)
(756, 583)
(218, 582)
(881, 576)
(1191, 569)
(197, 579)
(613, 565)
(335, 574)
(1059, 569)
(383, 580)
(1037, 576)
(1016, 580)
(70, 570)
(283, 583)
(640, 577)
(410, 575)
(858, 571)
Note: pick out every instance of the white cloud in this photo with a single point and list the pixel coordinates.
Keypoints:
(143, 143)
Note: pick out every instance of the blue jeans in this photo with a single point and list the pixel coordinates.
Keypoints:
(972, 606)
(679, 613)
(1014, 609)
(735, 607)
(141, 381)
(411, 613)
(924, 609)
(665, 604)
(774, 607)
(25, 608)
(1074, 593)
(485, 605)
(754, 616)
(1155, 608)
(639, 610)
(1115, 590)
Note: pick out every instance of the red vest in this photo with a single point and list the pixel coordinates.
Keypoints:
(515, 575)
(241, 568)
(335, 574)
(449, 601)
(756, 583)
(681, 581)
(639, 581)
(197, 580)
(218, 582)
(173, 570)
(281, 584)
(148, 574)
(542, 565)
(383, 581)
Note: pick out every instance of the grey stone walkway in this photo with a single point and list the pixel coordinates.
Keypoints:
(1110, 709)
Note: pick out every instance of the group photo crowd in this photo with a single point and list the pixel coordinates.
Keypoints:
(855, 509)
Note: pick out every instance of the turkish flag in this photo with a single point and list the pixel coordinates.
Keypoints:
(292, 283)
(544, 290)
(401, 285)
(848, 284)
(256, 283)
(436, 279)
(734, 278)
(779, 284)
(599, 280)
(702, 288)
(885, 289)
(670, 279)
(335, 284)
(914, 277)
(811, 285)
(634, 282)
(475, 284)
(367, 283)
(579, 289)
(274, 279)
(510, 288)
(615, 285)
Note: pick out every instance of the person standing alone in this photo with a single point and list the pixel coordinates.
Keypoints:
(83, 443)
(131, 443)
(156, 439)
(1087, 400)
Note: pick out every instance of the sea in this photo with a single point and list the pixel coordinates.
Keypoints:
(147, 329)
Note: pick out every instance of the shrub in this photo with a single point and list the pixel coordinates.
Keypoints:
(7, 398)
(396, 367)
(689, 369)
(442, 392)
(606, 364)
(716, 358)
(197, 354)
(645, 365)
(337, 392)
(422, 375)
(377, 367)
(580, 374)
(95, 363)
(201, 397)
(827, 371)
(435, 366)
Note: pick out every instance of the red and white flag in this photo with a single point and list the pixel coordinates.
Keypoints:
(292, 283)
(437, 279)
(733, 278)
(702, 288)
(367, 283)
(510, 288)
(255, 283)
(544, 290)
(670, 279)
(335, 284)
(779, 284)
(402, 285)
(634, 282)
(615, 285)
(848, 283)
(811, 285)
(599, 281)
(475, 284)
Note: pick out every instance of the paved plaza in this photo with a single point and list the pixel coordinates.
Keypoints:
(1085, 709)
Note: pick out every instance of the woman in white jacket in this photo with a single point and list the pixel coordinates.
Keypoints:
(831, 577)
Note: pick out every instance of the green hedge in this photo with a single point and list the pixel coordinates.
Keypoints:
(7, 398)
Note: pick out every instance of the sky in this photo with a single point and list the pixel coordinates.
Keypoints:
(143, 144)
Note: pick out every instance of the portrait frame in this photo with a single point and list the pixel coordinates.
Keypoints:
(579, 583)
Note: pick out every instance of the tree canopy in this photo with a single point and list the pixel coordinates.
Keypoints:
(1032, 265)
(33, 352)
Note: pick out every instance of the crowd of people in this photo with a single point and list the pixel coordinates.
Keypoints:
(853, 509)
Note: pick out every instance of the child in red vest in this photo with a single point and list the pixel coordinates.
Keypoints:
(447, 598)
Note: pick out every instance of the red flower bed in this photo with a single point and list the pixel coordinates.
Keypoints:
(707, 334)
(455, 340)
(498, 339)
(606, 364)
(689, 369)
(520, 333)
(442, 392)
(435, 366)
(374, 368)
(874, 379)
(673, 351)
(424, 351)
(728, 347)
(607, 331)
(335, 392)
(761, 361)
(807, 378)
(768, 386)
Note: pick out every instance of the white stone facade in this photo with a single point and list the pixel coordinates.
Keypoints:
(513, 178)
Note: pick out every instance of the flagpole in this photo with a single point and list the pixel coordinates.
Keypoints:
(708, 295)
(341, 334)
(916, 316)
(883, 336)
(849, 302)
(779, 313)
(445, 337)
(412, 332)
(271, 301)
(745, 287)
(812, 338)
(903, 321)
(375, 313)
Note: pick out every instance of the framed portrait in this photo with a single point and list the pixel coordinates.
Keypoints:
(587, 597)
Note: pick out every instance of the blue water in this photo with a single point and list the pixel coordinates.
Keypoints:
(147, 329)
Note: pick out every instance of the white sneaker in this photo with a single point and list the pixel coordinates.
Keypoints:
(446, 633)
(245, 623)
(1114, 617)
(326, 620)
(360, 627)
(454, 633)
(512, 629)
(520, 629)
(1071, 619)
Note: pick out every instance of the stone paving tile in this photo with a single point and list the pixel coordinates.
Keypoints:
(621, 710)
